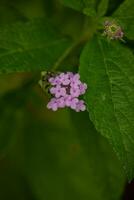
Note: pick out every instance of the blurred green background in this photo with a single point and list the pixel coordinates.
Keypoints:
(46, 155)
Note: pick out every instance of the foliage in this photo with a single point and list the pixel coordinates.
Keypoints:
(63, 154)
(110, 98)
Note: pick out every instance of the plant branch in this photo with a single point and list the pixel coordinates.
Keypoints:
(81, 40)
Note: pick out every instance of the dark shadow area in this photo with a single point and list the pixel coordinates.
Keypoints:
(129, 191)
(113, 5)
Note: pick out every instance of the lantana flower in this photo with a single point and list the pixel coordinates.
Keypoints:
(65, 90)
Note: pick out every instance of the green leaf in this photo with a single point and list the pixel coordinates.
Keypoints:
(85, 6)
(30, 46)
(63, 161)
(108, 69)
(125, 15)
(102, 8)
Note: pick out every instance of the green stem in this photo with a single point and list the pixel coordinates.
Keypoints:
(81, 40)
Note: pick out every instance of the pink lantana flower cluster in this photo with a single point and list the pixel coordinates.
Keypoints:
(66, 88)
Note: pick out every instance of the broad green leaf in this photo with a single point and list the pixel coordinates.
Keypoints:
(30, 46)
(85, 6)
(102, 8)
(66, 161)
(108, 69)
(125, 15)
